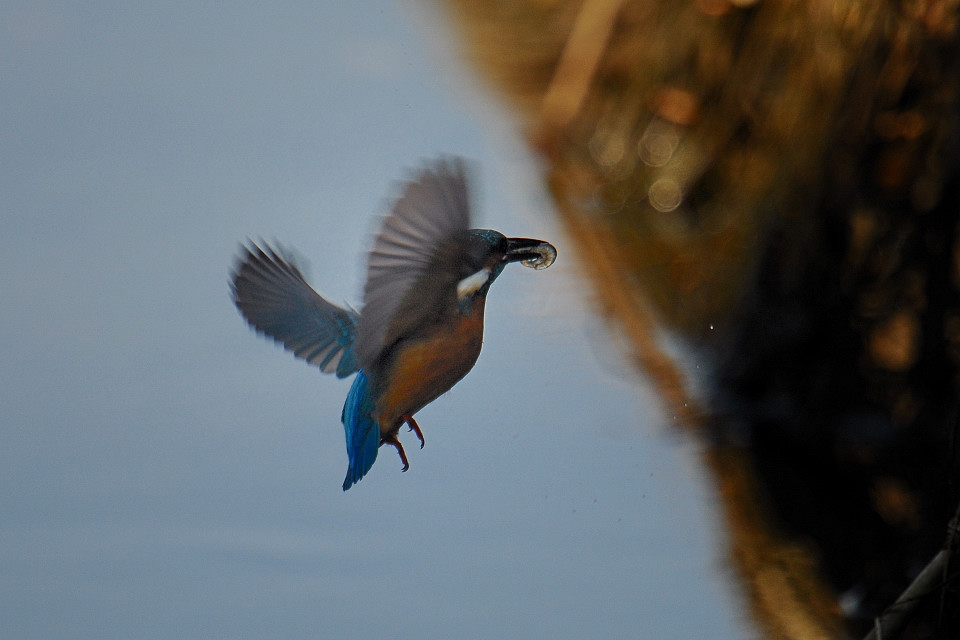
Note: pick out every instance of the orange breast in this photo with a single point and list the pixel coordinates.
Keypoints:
(424, 369)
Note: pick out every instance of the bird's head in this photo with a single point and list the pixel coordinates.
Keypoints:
(486, 252)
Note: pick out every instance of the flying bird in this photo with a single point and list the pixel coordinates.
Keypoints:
(420, 328)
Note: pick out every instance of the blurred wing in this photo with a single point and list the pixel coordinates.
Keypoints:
(271, 293)
(432, 207)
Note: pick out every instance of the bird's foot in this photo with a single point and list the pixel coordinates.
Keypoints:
(403, 456)
(414, 427)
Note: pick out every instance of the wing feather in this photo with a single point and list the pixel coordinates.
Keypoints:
(432, 207)
(273, 296)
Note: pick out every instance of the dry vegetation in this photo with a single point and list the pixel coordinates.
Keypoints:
(779, 181)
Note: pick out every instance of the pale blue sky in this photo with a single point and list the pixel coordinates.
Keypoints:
(165, 473)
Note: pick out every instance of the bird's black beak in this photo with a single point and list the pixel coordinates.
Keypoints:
(535, 254)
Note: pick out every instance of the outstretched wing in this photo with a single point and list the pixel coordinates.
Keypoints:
(272, 294)
(432, 207)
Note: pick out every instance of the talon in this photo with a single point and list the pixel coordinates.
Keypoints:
(414, 427)
(403, 456)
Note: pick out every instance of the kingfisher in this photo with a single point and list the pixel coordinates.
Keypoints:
(420, 328)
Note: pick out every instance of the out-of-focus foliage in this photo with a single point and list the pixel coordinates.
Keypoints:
(779, 181)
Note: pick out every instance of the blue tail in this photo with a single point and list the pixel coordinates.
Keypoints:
(361, 430)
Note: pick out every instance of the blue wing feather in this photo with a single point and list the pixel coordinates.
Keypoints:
(272, 294)
(361, 430)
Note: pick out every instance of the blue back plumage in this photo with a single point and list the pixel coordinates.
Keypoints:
(361, 430)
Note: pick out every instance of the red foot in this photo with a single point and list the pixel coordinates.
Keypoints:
(403, 457)
(414, 427)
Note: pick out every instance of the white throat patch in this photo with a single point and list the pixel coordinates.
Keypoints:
(472, 283)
